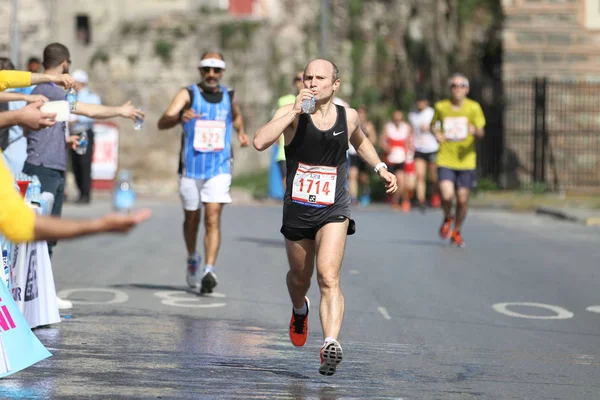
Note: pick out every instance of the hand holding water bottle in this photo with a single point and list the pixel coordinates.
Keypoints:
(71, 97)
(72, 141)
(139, 122)
(305, 102)
(82, 144)
(128, 110)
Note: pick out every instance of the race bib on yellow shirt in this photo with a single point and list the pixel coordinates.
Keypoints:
(456, 128)
(209, 136)
(314, 185)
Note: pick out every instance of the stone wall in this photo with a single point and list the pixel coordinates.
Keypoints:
(548, 38)
(35, 28)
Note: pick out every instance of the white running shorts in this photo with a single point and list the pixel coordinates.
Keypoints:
(194, 192)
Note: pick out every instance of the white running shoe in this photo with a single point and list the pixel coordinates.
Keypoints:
(191, 271)
(331, 356)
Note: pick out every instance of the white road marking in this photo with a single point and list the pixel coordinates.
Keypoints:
(561, 313)
(594, 309)
(384, 313)
(174, 298)
(118, 295)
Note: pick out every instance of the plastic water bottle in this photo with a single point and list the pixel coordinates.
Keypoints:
(71, 97)
(83, 143)
(123, 194)
(139, 123)
(308, 106)
(34, 190)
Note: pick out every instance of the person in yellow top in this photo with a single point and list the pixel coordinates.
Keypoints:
(284, 101)
(457, 122)
(18, 221)
(17, 79)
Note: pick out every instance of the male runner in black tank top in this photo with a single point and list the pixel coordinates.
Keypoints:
(316, 210)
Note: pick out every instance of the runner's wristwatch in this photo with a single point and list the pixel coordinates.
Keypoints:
(379, 166)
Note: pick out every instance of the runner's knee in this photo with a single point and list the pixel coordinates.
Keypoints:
(298, 277)
(328, 281)
(211, 221)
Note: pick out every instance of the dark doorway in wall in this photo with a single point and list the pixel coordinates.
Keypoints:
(83, 30)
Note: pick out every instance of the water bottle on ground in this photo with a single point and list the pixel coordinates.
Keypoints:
(83, 143)
(308, 106)
(123, 194)
(139, 123)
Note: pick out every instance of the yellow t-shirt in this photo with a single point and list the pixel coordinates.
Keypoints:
(14, 79)
(17, 219)
(283, 101)
(458, 150)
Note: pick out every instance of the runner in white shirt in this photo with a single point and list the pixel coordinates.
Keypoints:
(426, 147)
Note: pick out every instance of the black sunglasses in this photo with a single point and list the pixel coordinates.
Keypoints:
(458, 85)
(206, 70)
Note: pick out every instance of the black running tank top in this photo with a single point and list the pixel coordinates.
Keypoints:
(316, 189)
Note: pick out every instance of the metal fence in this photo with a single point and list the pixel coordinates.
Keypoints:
(540, 132)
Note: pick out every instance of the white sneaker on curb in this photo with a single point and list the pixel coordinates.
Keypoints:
(63, 304)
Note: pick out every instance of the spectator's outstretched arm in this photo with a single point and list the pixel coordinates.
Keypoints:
(98, 111)
(64, 80)
(20, 224)
(5, 97)
(53, 228)
(19, 79)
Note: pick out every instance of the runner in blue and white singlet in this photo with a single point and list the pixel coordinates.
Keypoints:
(206, 150)
(208, 113)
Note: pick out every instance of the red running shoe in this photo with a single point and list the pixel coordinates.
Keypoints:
(299, 326)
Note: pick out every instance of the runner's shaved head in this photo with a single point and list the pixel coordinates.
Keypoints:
(320, 63)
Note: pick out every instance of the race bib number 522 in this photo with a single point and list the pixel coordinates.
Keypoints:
(456, 128)
(209, 136)
(314, 185)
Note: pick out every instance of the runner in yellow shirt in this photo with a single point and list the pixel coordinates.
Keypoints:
(457, 122)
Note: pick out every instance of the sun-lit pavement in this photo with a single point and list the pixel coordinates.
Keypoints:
(423, 320)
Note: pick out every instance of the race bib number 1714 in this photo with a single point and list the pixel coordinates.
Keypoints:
(314, 185)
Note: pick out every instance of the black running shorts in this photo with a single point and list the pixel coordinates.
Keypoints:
(295, 234)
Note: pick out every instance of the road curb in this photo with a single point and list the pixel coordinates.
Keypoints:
(566, 216)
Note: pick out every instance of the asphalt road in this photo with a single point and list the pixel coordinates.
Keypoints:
(422, 321)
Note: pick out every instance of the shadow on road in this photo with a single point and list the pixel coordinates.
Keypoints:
(419, 242)
(279, 243)
(150, 286)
